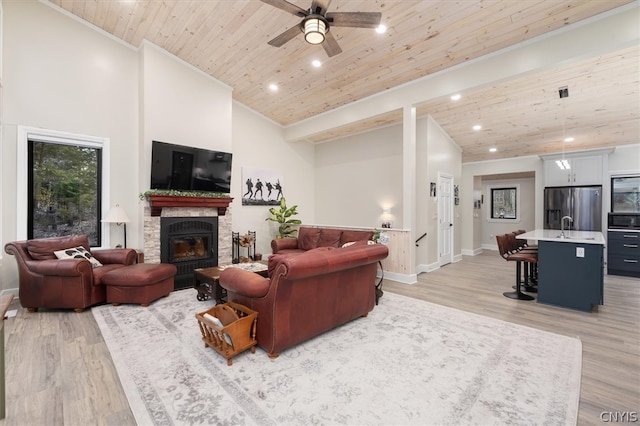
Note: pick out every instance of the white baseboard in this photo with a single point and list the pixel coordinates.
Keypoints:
(432, 267)
(401, 278)
(421, 268)
(13, 291)
(473, 252)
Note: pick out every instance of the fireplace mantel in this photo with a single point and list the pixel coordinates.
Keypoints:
(157, 202)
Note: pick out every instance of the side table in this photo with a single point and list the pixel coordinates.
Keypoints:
(208, 284)
(208, 279)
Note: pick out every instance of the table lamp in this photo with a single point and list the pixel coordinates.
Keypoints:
(118, 216)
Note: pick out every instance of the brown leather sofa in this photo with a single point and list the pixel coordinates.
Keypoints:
(310, 238)
(48, 282)
(307, 294)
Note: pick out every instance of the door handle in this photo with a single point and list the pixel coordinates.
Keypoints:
(451, 224)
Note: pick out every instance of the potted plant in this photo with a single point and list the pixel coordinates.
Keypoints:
(283, 217)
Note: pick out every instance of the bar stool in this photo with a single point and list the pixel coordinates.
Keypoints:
(503, 247)
(523, 246)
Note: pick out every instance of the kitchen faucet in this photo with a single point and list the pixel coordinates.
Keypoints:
(570, 219)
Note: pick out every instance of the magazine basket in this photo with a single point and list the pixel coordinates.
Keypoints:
(235, 331)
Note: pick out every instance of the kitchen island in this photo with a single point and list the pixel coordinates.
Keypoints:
(570, 267)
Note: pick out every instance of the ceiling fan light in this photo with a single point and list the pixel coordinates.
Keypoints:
(314, 30)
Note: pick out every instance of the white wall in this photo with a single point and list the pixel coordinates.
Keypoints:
(356, 176)
(181, 104)
(470, 171)
(62, 74)
(258, 143)
(625, 159)
(443, 156)
(178, 104)
(525, 215)
(58, 74)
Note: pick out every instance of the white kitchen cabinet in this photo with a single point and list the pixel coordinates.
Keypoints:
(582, 171)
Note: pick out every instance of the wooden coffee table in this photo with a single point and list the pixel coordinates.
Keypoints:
(208, 279)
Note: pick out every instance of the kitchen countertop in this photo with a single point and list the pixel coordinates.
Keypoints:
(582, 237)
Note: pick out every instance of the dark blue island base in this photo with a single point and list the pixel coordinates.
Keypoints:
(567, 280)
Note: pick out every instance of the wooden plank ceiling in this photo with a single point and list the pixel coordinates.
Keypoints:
(228, 40)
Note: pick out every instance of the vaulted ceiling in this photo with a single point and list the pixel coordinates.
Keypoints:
(523, 116)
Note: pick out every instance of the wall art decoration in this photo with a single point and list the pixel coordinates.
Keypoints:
(261, 187)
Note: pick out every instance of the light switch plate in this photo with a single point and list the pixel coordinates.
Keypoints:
(579, 251)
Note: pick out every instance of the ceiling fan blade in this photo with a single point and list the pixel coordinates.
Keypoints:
(330, 45)
(287, 7)
(285, 36)
(354, 19)
(319, 7)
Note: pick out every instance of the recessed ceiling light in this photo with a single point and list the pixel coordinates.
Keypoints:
(273, 87)
(316, 63)
(456, 97)
(569, 139)
(381, 29)
(493, 149)
(477, 127)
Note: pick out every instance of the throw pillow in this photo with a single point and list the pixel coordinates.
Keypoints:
(77, 253)
(359, 243)
(217, 322)
(355, 235)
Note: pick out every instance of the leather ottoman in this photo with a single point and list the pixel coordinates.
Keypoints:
(141, 283)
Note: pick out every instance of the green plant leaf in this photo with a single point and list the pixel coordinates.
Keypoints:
(283, 217)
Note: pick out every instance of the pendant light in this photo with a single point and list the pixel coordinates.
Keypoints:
(563, 92)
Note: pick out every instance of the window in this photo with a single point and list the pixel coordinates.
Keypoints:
(625, 194)
(62, 185)
(64, 190)
(504, 203)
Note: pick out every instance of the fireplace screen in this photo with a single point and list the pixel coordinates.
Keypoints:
(189, 248)
(189, 243)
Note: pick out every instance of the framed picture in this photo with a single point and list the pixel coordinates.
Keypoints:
(261, 187)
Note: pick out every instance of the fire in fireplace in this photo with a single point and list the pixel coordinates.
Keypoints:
(189, 243)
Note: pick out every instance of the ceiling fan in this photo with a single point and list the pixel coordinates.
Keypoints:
(316, 23)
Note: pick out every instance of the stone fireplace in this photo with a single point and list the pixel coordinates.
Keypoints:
(202, 238)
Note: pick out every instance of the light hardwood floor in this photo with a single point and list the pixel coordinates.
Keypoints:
(59, 371)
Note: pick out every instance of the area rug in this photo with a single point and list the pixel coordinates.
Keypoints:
(407, 362)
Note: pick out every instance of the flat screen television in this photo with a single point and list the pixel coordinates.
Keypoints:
(187, 168)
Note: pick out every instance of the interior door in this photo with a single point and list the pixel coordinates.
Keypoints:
(445, 219)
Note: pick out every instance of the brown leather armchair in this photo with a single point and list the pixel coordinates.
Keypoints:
(48, 282)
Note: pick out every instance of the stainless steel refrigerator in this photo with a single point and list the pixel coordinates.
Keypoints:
(582, 203)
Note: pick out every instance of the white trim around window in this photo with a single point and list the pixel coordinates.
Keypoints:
(44, 135)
